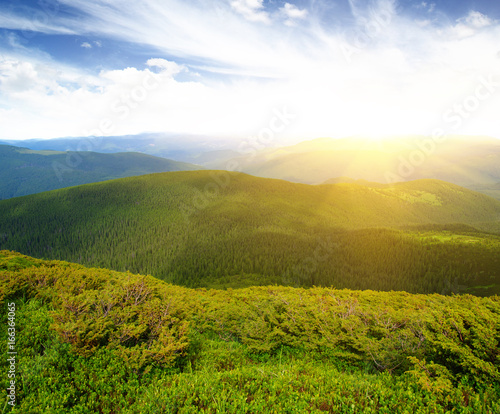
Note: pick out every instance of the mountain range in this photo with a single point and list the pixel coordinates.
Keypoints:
(472, 162)
(25, 171)
(267, 295)
(195, 149)
(221, 229)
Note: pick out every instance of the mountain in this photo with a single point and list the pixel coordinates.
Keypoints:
(180, 147)
(24, 171)
(473, 162)
(469, 161)
(492, 190)
(97, 341)
(221, 229)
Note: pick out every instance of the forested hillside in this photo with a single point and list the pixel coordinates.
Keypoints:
(24, 171)
(219, 229)
(98, 341)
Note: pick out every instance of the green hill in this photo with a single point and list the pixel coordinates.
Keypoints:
(24, 171)
(213, 228)
(98, 341)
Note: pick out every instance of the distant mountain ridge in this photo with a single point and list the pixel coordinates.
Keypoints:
(196, 149)
(24, 171)
(472, 162)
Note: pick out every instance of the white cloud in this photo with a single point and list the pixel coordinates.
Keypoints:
(292, 13)
(40, 22)
(40, 102)
(86, 45)
(17, 76)
(476, 20)
(400, 76)
(251, 10)
(471, 24)
(166, 66)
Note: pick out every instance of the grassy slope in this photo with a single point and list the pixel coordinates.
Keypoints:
(25, 171)
(93, 340)
(185, 228)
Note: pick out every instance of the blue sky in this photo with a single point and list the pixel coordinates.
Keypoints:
(226, 67)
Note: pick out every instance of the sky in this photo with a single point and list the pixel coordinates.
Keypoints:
(280, 70)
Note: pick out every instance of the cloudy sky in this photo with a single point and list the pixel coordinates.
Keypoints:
(232, 68)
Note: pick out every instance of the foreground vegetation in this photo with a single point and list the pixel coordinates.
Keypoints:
(99, 341)
(216, 229)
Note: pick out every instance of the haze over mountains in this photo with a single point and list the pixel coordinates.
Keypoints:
(180, 147)
(473, 162)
